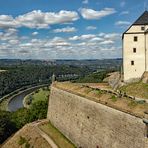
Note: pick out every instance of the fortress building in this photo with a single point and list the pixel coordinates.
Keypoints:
(135, 49)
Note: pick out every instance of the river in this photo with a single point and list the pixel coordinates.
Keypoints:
(17, 101)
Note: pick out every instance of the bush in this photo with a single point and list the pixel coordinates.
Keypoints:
(38, 110)
(113, 98)
(20, 117)
(22, 140)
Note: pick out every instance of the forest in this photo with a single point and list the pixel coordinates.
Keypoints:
(15, 77)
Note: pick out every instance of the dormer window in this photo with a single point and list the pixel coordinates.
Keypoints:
(135, 38)
(142, 28)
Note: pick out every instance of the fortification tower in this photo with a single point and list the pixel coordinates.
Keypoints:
(135, 49)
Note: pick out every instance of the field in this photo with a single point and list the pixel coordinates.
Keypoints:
(60, 140)
(139, 90)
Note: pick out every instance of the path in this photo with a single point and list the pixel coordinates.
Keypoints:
(44, 135)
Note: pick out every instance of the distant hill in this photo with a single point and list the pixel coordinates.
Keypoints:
(102, 63)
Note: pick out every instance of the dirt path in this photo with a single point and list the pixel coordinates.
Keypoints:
(44, 135)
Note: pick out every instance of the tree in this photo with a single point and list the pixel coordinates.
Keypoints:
(7, 127)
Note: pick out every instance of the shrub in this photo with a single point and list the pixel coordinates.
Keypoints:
(113, 98)
(22, 140)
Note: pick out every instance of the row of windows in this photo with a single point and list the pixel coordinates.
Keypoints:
(135, 40)
(134, 49)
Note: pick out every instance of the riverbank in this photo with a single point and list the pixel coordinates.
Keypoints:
(6, 99)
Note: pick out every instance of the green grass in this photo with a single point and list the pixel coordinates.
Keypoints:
(38, 95)
(42, 94)
(113, 98)
(132, 104)
(139, 90)
(56, 136)
(23, 141)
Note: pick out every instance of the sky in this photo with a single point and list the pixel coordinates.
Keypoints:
(65, 29)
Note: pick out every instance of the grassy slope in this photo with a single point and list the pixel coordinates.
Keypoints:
(40, 95)
(139, 90)
(31, 136)
(56, 136)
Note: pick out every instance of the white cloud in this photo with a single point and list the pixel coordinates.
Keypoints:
(82, 37)
(66, 29)
(9, 34)
(124, 13)
(35, 33)
(38, 19)
(122, 23)
(83, 46)
(107, 42)
(7, 21)
(91, 28)
(85, 1)
(13, 41)
(91, 14)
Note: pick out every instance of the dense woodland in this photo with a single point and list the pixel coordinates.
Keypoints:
(18, 76)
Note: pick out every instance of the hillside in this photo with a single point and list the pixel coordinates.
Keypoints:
(26, 137)
(139, 90)
(38, 134)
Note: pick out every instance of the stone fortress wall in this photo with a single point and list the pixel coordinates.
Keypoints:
(92, 125)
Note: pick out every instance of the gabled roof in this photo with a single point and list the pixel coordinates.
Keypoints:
(142, 20)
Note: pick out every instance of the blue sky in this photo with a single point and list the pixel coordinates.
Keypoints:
(65, 29)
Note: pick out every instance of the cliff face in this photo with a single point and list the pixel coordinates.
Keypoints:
(89, 124)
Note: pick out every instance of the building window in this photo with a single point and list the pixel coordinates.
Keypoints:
(135, 38)
(132, 62)
(143, 28)
(134, 50)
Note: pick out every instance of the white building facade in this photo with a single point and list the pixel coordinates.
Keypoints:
(135, 49)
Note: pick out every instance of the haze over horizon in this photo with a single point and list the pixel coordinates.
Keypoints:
(82, 29)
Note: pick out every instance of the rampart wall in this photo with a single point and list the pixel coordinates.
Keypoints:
(92, 125)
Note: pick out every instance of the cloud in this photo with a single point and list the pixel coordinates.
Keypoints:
(7, 21)
(38, 19)
(35, 33)
(122, 23)
(91, 28)
(107, 42)
(85, 1)
(9, 34)
(84, 46)
(66, 30)
(122, 4)
(82, 37)
(91, 14)
(124, 13)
